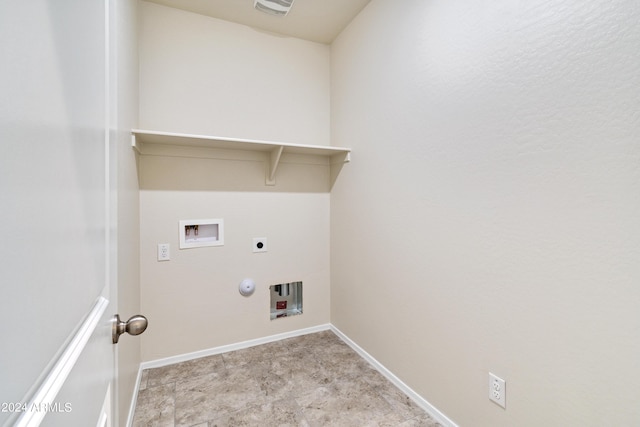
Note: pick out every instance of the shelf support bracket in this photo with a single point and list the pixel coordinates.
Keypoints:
(274, 160)
(136, 144)
(335, 165)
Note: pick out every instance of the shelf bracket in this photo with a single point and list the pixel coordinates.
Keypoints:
(136, 144)
(274, 160)
(335, 165)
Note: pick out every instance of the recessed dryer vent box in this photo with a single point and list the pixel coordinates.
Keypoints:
(286, 299)
(197, 233)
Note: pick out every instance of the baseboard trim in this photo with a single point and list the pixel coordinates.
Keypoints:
(134, 397)
(419, 400)
(232, 347)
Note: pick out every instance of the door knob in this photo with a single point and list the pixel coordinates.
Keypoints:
(134, 326)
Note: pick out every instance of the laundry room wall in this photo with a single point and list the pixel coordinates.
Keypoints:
(200, 75)
(489, 221)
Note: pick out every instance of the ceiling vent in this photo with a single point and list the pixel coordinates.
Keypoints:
(273, 7)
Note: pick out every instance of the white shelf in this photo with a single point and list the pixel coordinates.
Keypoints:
(274, 150)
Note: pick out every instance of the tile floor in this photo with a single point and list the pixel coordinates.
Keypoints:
(311, 380)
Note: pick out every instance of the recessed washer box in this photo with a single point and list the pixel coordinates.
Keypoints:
(198, 233)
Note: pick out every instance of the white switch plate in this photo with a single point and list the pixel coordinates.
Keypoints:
(497, 390)
(163, 252)
(259, 244)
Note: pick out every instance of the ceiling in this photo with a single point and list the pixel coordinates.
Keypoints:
(316, 20)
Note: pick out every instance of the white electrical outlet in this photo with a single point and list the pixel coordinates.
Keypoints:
(259, 244)
(497, 390)
(163, 252)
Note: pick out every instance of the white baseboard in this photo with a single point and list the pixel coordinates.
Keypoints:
(134, 398)
(232, 347)
(419, 400)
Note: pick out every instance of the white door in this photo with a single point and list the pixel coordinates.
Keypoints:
(56, 356)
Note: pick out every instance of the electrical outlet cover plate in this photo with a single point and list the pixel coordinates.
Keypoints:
(497, 390)
(163, 252)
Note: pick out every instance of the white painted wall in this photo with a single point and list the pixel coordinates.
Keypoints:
(489, 220)
(205, 76)
(202, 75)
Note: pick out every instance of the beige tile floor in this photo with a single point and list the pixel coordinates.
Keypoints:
(311, 380)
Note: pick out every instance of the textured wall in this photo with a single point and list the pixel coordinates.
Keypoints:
(489, 219)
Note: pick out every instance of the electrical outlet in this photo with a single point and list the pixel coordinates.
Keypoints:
(163, 252)
(497, 390)
(259, 244)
